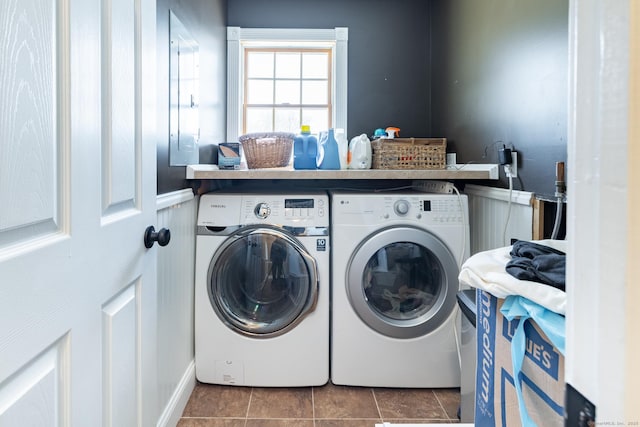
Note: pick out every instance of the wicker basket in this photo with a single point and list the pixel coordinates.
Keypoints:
(267, 149)
(409, 153)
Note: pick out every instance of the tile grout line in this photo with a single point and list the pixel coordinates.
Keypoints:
(375, 399)
(246, 415)
(313, 406)
(207, 417)
(441, 405)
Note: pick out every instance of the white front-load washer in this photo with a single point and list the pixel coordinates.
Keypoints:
(262, 289)
(395, 262)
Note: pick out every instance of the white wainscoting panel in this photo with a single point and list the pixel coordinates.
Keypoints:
(489, 211)
(177, 211)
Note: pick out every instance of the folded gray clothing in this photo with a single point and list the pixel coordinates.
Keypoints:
(537, 263)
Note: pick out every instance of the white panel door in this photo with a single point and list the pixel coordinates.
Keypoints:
(77, 190)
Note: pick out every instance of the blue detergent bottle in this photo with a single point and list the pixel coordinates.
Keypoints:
(328, 153)
(305, 149)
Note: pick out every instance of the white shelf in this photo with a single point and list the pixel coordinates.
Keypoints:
(464, 171)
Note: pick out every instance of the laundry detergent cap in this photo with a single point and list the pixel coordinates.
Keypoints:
(379, 132)
(305, 129)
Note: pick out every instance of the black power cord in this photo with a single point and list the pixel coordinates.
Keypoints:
(504, 155)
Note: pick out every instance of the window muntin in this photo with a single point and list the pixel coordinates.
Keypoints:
(285, 88)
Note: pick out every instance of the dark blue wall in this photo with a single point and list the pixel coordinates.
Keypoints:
(500, 75)
(481, 73)
(206, 21)
(389, 50)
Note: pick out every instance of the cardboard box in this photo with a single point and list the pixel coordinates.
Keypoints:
(229, 155)
(542, 375)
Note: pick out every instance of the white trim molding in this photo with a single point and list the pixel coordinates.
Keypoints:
(166, 200)
(238, 38)
(172, 412)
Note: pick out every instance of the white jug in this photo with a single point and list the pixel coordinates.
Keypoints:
(359, 156)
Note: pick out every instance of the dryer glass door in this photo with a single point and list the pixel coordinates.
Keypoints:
(402, 282)
(262, 281)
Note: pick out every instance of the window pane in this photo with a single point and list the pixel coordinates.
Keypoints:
(260, 91)
(317, 118)
(315, 66)
(259, 120)
(260, 65)
(279, 82)
(287, 92)
(315, 92)
(287, 65)
(287, 120)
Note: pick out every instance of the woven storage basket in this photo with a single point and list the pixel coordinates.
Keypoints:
(409, 153)
(267, 149)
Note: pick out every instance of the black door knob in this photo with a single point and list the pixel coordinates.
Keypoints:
(151, 236)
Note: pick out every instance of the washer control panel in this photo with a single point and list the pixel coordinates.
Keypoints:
(242, 209)
(288, 208)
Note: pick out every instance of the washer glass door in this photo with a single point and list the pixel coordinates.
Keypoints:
(262, 281)
(402, 282)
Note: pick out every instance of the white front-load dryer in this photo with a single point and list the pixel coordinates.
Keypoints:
(262, 289)
(395, 264)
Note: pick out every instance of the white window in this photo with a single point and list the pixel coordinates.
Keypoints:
(279, 79)
(284, 88)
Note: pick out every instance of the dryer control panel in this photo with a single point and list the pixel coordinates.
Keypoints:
(427, 209)
(443, 210)
(360, 209)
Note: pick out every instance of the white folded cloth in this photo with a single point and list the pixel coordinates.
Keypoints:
(486, 270)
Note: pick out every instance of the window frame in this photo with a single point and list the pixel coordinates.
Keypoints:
(238, 39)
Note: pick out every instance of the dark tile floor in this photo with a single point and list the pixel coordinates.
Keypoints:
(326, 406)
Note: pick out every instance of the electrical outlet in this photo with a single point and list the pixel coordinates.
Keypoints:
(514, 164)
(432, 186)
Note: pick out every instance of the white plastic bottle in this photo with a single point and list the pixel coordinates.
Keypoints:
(343, 147)
(359, 156)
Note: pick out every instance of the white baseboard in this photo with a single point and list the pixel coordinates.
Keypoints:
(175, 407)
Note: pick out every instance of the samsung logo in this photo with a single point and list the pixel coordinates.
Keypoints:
(219, 206)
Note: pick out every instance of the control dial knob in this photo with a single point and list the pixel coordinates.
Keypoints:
(401, 207)
(262, 210)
